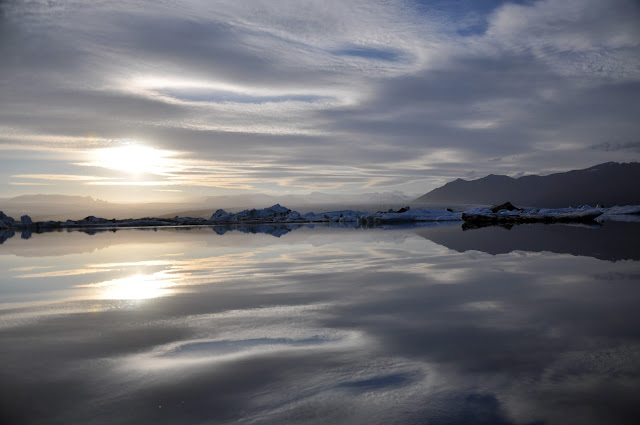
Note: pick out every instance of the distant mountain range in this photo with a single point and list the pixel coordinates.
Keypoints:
(53, 199)
(61, 207)
(610, 184)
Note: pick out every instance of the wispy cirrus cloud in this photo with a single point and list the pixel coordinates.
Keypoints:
(30, 184)
(60, 177)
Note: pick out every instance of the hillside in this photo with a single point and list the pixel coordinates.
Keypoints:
(610, 183)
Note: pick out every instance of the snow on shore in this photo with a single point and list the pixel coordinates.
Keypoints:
(550, 215)
(530, 215)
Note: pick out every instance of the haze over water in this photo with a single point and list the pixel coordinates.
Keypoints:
(537, 324)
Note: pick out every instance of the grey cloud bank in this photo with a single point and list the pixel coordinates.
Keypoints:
(283, 97)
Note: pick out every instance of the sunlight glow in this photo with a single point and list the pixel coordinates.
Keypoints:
(179, 82)
(133, 158)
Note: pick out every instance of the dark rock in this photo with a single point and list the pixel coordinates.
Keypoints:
(26, 221)
(8, 221)
(391, 211)
(92, 220)
(506, 206)
(48, 225)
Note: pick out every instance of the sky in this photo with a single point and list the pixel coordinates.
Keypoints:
(171, 100)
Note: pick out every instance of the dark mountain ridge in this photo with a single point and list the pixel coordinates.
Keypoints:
(610, 184)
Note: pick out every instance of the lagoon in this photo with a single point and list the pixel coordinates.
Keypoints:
(319, 324)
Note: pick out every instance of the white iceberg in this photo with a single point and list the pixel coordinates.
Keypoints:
(274, 214)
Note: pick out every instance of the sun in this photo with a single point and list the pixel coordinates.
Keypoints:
(132, 158)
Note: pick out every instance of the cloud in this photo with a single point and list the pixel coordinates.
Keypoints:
(617, 146)
(59, 177)
(30, 184)
(386, 87)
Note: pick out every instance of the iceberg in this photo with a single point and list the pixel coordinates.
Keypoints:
(274, 214)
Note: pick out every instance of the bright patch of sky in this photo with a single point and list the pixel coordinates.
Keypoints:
(283, 96)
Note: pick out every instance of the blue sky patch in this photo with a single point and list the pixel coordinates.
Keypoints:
(370, 53)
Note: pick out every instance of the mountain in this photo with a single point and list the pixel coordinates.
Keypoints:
(53, 199)
(610, 184)
(63, 207)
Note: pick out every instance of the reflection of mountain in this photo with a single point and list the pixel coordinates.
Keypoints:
(608, 183)
(613, 241)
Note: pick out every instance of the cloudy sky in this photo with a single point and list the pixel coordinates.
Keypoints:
(152, 100)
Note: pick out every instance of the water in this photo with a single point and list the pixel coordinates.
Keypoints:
(427, 325)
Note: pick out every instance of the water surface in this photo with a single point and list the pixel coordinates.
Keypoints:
(538, 324)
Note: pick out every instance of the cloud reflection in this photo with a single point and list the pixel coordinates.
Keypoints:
(319, 326)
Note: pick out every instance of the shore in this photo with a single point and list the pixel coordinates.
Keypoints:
(278, 214)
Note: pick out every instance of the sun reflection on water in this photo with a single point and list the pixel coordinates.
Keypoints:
(143, 280)
(135, 287)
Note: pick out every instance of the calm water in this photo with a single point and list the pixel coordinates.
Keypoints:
(432, 325)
